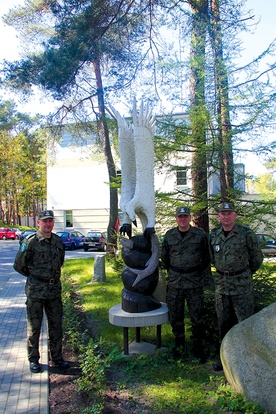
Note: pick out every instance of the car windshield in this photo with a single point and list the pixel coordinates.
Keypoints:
(62, 234)
(94, 235)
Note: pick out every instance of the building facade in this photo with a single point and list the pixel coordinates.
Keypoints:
(78, 183)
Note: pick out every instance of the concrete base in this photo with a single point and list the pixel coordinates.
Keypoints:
(139, 348)
(128, 320)
(119, 317)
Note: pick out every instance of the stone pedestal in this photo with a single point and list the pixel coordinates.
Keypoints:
(118, 317)
(99, 269)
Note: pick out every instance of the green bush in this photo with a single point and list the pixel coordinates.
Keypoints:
(264, 286)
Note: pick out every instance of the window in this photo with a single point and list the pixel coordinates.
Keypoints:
(69, 218)
(181, 176)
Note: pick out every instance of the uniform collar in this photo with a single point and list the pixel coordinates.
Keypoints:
(41, 236)
(233, 230)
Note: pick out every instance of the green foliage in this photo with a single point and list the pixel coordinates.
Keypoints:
(22, 165)
(163, 384)
(264, 286)
(93, 365)
(117, 263)
(80, 35)
(265, 184)
(229, 400)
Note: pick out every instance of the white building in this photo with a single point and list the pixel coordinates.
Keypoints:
(78, 184)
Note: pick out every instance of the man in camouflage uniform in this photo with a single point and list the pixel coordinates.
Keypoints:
(185, 254)
(236, 255)
(40, 258)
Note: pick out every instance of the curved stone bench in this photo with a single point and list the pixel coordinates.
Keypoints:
(118, 317)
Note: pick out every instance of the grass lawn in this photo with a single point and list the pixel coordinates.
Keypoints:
(157, 383)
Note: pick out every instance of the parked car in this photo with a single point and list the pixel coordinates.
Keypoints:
(71, 239)
(25, 234)
(95, 239)
(6, 233)
(268, 244)
(18, 232)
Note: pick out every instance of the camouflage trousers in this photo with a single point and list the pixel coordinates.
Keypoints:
(53, 312)
(232, 309)
(176, 305)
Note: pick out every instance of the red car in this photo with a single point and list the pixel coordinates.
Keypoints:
(6, 233)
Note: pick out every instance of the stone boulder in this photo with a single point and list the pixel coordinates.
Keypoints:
(248, 355)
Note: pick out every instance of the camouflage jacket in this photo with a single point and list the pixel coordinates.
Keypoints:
(239, 252)
(40, 257)
(187, 259)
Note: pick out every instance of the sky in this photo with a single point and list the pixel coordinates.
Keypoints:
(254, 44)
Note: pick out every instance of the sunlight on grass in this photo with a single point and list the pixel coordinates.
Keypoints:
(178, 395)
(166, 385)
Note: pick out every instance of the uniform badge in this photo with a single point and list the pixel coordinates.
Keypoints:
(217, 248)
(23, 247)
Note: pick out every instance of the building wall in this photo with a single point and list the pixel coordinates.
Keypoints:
(84, 220)
(77, 181)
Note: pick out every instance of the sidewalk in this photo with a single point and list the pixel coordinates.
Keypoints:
(21, 392)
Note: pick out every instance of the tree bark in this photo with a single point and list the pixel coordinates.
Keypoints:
(198, 114)
(225, 150)
(113, 194)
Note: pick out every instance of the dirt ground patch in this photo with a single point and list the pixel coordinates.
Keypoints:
(65, 398)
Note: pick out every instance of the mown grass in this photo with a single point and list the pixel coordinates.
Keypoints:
(16, 226)
(161, 383)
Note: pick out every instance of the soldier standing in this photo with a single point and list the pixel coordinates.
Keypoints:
(40, 258)
(236, 255)
(185, 254)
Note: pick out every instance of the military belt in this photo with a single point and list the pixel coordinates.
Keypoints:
(182, 270)
(226, 273)
(50, 281)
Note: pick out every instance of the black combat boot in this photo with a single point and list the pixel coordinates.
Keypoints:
(61, 364)
(198, 352)
(218, 365)
(35, 367)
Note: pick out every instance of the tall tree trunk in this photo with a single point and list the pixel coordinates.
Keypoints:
(113, 194)
(225, 154)
(198, 115)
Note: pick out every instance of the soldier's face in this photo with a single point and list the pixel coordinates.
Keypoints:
(227, 218)
(183, 222)
(46, 226)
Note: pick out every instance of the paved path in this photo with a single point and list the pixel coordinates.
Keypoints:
(21, 392)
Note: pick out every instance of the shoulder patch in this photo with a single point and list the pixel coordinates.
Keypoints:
(23, 247)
